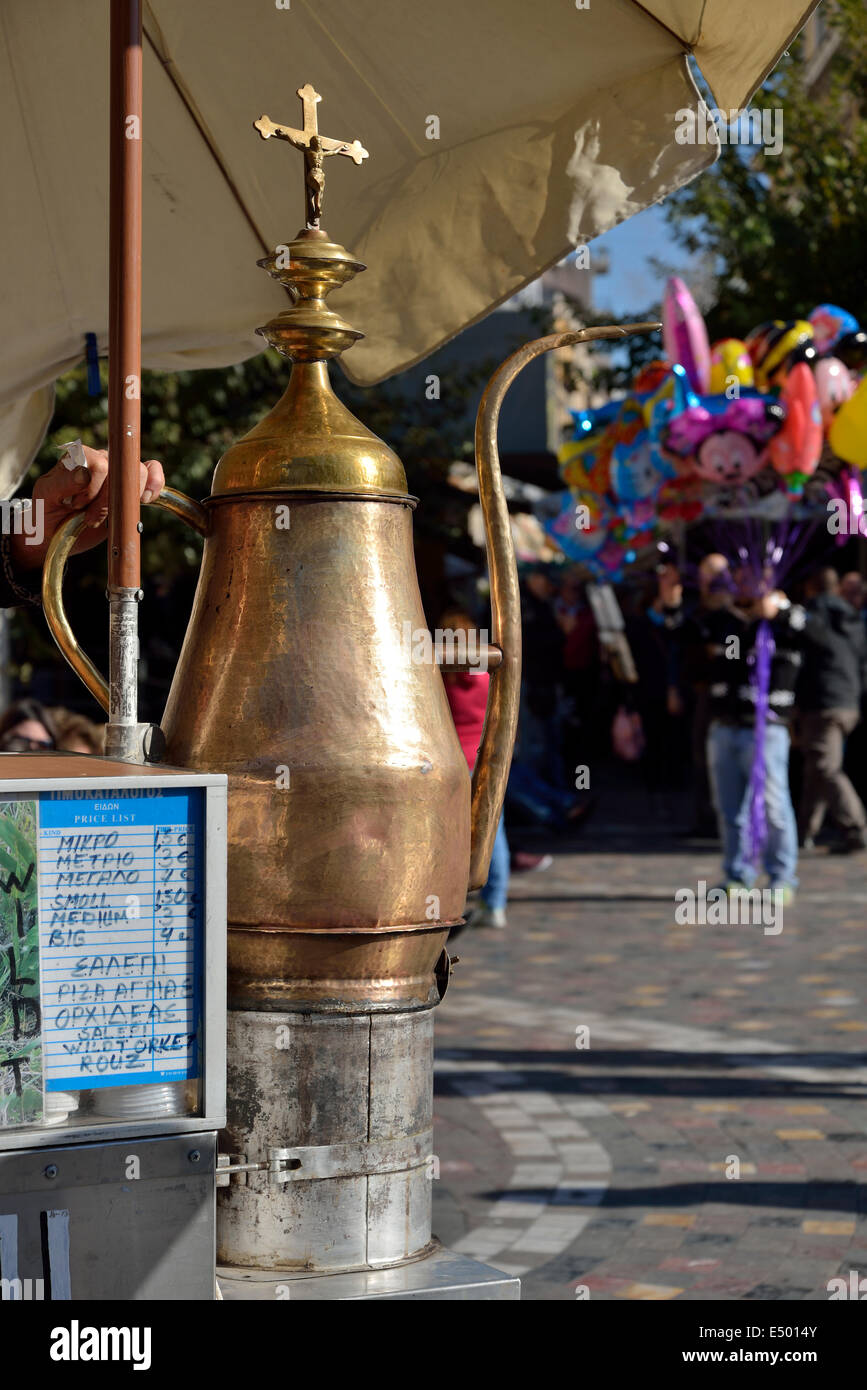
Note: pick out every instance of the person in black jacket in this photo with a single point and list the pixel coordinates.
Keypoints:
(720, 640)
(832, 681)
(731, 635)
(58, 494)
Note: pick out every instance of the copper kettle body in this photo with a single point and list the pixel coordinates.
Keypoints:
(349, 797)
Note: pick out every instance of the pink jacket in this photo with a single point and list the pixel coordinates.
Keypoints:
(468, 700)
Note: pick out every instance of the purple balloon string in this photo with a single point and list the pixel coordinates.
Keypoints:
(760, 680)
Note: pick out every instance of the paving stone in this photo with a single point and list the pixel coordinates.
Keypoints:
(607, 1167)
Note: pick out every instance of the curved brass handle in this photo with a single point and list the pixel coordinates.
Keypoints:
(59, 551)
(495, 751)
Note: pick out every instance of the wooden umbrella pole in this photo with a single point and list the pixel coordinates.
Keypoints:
(124, 381)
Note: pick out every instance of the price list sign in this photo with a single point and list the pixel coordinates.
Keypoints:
(120, 931)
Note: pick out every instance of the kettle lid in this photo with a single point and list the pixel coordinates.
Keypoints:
(310, 442)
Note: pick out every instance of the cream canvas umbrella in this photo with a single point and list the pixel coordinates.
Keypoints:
(500, 135)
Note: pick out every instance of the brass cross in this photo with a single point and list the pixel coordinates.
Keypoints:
(314, 147)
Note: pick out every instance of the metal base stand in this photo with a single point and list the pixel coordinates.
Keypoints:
(443, 1275)
(325, 1192)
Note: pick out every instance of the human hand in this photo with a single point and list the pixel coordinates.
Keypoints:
(63, 493)
(769, 605)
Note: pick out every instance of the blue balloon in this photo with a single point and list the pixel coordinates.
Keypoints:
(830, 324)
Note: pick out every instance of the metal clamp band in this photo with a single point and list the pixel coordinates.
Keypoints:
(316, 1162)
(367, 1157)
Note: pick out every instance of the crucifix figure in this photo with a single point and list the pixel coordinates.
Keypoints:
(315, 148)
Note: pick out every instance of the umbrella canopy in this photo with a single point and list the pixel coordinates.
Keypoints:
(500, 135)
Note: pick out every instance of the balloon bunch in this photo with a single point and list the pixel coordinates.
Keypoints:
(793, 385)
(708, 419)
(614, 468)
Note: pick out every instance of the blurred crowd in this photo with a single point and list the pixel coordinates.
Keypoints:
(30, 727)
(698, 662)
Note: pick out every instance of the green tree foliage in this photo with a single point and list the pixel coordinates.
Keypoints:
(788, 232)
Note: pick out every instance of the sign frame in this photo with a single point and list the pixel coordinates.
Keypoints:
(29, 775)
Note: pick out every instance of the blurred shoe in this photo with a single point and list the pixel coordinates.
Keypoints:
(524, 863)
(787, 891)
(808, 844)
(488, 917)
(734, 885)
(853, 844)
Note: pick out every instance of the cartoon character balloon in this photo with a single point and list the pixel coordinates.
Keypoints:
(584, 461)
(684, 335)
(632, 472)
(673, 396)
(830, 324)
(634, 476)
(581, 527)
(726, 440)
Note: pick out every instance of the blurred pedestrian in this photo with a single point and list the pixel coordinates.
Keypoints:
(733, 634)
(539, 745)
(653, 641)
(27, 727)
(467, 694)
(581, 671)
(832, 682)
(76, 733)
(853, 588)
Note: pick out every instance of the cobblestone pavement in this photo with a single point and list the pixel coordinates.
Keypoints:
(713, 1050)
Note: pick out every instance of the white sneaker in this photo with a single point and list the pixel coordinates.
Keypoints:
(483, 916)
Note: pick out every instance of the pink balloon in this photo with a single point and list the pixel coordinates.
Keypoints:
(684, 335)
(833, 386)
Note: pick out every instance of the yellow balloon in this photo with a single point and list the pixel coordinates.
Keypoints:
(848, 433)
(729, 360)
